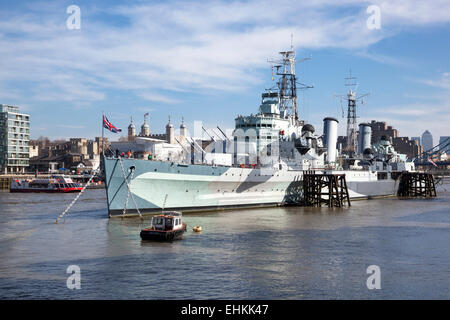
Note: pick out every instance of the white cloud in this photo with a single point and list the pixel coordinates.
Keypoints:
(442, 83)
(70, 126)
(414, 12)
(152, 96)
(412, 119)
(383, 59)
(180, 46)
(173, 46)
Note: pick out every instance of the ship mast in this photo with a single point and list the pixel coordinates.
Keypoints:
(287, 84)
(352, 98)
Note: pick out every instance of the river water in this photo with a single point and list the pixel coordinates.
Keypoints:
(277, 253)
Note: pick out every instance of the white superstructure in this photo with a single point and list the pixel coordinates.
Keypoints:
(263, 163)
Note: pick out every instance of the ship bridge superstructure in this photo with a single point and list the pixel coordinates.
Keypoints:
(277, 118)
(276, 127)
(266, 126)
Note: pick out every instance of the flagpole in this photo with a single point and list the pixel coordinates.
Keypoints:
(103, 133)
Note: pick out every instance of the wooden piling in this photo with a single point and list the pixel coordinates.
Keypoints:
(328, 189)
(416, 184)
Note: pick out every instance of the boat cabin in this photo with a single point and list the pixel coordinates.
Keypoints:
(167, 221)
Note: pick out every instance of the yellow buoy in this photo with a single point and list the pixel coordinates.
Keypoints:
(197, 229)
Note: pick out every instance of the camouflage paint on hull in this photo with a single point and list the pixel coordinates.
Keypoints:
(156, 185)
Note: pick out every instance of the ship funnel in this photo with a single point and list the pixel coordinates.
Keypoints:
(330, 137)
(365, 135)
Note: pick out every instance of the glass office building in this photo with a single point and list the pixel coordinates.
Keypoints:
(14, 140)
(427, 141)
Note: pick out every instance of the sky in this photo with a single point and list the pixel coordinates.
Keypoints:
(208, 61)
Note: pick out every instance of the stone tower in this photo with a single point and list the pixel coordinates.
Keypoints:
(182, 128)
(145, 128)
(170, 136)
(131, 130)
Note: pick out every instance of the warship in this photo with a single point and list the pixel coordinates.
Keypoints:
(262, 164)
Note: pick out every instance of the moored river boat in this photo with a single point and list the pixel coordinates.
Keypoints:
(165, 227)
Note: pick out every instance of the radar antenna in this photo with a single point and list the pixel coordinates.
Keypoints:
(287, 84)
(352, 98)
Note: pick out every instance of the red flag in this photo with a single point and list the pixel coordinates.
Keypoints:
(108, 125)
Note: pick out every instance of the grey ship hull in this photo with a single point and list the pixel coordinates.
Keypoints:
(158, 185)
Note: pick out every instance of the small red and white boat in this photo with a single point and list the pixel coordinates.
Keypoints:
(165, 227)
(53, 184)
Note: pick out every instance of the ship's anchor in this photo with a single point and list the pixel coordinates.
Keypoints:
(132, 168)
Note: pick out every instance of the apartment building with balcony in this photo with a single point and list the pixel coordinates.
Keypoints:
(14, 139)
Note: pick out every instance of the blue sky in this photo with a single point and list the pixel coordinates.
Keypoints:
(207, 60)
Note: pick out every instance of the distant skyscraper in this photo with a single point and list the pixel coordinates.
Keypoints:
(427, 141)
(442, 144)
(416, 139)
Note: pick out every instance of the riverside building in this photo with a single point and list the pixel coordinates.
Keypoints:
(14, 139)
